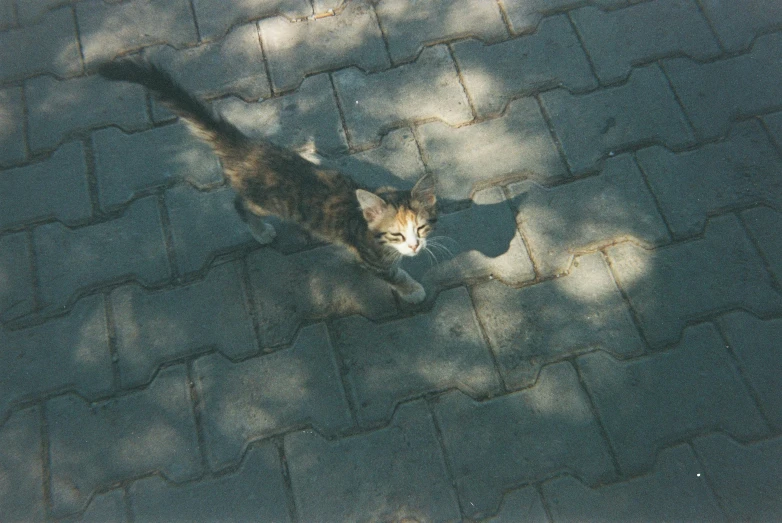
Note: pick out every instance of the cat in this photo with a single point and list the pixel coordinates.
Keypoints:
(378, 227)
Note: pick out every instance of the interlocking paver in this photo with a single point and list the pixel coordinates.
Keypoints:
(676, 490)
(31, 11)
(691, 185)
(153, 327)
(96, 445)
(515, 144)
(311, 285)
(72, 259)
(427, 88)
(764, 225)
(49, 46)
(108, 507)
(71, 352)
(716, 93)
(617, 40)
(391, 362)
(7, 14)
(307, 117)
(17, 296)
(21, 467)
(108, 29)
(494, 74)
(12, 135)
(562, 221)
(293, 50)
(756, 345)
(269, 394)
(542, 431)
(774, 123)
(672, 285)
(649, 402)
(532, 326)
(410, 24)
(216, 18)
(595, 125)
(60, 108)
(253, 493)
(737, 28)
(525, 15)
(392, 474)
(745, 477)
(128, 164)
(523, 504)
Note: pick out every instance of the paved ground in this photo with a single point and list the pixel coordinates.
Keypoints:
(602, 334)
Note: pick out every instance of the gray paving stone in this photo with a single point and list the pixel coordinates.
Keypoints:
(473, 243)
(72, 259)
(672, 285)
(153, 327)
(523, 504)
(774, 124)
(691, 185)
(648, 403)
(308, 117)
(676, 490)
(390, 362)
(599, 124)
(393, 474)
(21, 467)
(12, 135)
(106, 30)
(66, 353)
(31, 11)
(7, 14)
(717, 93)
(58, 109)
(216, 18)
(108, 507)
(49, 46)
(17, 296)
(746, 478)
(532, 326)
(525, 15)
(542, 431)
(269, 394)
(617, 40)
(764, 225)
(494, 74)
(96, 445)
(54, 188)
(256, 492)
(233, 64)
(204, 225)
(410, 24)
(294, 50)
(737, 28)
(469, 157)
(426, 88)
(583, 215)
(756, 345)
(312, 285)
(127, 164)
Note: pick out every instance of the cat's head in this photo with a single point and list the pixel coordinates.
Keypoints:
(401, 220)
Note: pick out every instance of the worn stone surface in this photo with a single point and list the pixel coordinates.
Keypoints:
(679, 283)
(12, 135)
(517, 144)
(270, 394)
(21, 467)
(393, 473)
(294, 50)
(774, 124)
(495, 74)
(668, 396)
(532, 326)
(7, 14)
(216, 18)
(410, 24)
(675, 490)
(523, 504)
(562, 221)
(107, 507)
(764, 225)
(525, 15)
(543, 431)
(17, 295)
(93, 446)
(737, 28)
(690, 186)
(427, 88)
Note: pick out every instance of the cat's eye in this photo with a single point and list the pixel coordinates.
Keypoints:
(396, 236)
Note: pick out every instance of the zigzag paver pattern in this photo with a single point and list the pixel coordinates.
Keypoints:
(601, 336)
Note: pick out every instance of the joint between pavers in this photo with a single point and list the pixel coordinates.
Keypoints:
(438, 433)
(111, 334)
(459, 75)
(656, 200)
(487, 342)
(77, 29)
(341, 112)
(196, 406)
(290, 499)
(756, 245)
(552, 133)
(168, 238)
(46, 472)
(344, 371)
(588, 57)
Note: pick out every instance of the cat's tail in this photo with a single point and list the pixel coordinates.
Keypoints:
(223, 136)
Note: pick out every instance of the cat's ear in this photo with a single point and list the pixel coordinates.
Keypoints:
(424, 191)
(372, 205)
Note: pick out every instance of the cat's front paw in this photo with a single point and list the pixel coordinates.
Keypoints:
(263, 232)
(415, 293)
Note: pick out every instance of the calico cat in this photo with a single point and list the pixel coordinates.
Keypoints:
(378, 227)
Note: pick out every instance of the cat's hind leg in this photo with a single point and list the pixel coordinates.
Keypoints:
(409, 290)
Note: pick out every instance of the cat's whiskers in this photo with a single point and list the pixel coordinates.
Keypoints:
(436, 242)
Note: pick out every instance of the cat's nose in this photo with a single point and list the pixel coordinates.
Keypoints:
(414, 246)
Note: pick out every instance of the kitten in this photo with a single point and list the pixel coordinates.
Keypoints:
(378, 227)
